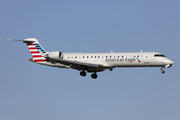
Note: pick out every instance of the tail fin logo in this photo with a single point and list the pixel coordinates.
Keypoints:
(39, 47)
(34, 49)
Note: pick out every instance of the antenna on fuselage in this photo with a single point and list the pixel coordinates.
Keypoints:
(140, 50)
(111, 51)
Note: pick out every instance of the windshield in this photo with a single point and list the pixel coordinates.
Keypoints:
(159, 55)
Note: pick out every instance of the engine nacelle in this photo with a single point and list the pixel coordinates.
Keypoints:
(55, 54)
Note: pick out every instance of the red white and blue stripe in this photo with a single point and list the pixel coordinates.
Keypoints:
(34, 48)
(138, 59)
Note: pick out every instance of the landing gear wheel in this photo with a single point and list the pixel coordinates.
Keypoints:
(94, 76)
(162, 71)
(83, 73)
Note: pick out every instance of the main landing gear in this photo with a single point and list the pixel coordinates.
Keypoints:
(83, 73)
(162, 70)
(94, 75)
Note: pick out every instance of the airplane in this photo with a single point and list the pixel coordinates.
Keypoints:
(95, 62)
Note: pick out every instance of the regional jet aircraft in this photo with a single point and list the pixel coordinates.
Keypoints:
(95, 62)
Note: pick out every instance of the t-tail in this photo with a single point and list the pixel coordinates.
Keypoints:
(36, 50)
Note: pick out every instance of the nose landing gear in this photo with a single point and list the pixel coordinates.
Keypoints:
(162, 70)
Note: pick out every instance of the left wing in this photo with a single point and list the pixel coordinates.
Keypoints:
(80, 65)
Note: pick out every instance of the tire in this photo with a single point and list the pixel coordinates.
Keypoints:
(83, 73)
(94, 76)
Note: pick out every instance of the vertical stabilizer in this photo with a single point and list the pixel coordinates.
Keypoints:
(35, 49)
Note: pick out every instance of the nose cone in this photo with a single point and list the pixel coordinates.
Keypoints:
(170, 62)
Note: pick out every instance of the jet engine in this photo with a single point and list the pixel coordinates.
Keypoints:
(55, 54)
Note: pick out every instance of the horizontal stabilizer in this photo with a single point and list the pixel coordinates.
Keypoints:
(25, 40)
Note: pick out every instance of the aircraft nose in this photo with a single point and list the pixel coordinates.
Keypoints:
(171, 62)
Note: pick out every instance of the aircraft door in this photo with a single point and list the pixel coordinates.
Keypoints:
(146, 58)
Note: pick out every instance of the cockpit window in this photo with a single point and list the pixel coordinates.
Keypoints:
(159, 55)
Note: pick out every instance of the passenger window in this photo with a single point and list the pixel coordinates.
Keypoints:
(98, 56)
(87, 56)
(83, 56)
(110, 56)
(94, 56)
(91, 56)
(76, 57)
(106, 56)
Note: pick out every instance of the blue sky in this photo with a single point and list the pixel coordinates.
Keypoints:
(31, 91)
